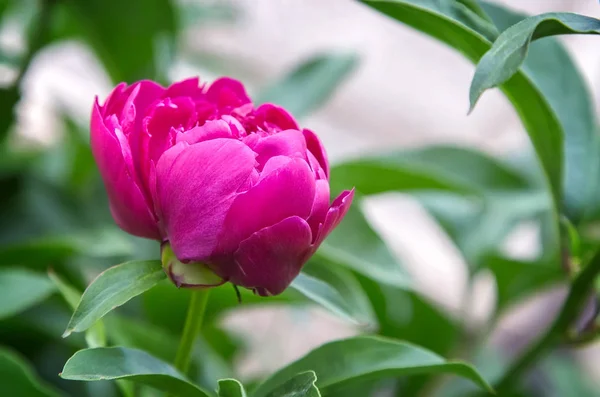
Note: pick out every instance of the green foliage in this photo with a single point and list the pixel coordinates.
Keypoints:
(113, 288)
(21, 289)
(18, 378)
(106, 363)
(345, 361)
(57, 235)
(310, 84)
(231, 388)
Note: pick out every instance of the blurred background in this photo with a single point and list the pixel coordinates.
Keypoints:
(378, 85)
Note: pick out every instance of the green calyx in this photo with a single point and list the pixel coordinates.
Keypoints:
(187, 275)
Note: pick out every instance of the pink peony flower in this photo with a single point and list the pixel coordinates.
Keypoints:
(223, 185)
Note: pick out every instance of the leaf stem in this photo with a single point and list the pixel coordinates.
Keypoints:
(578, 294)
(193, 323)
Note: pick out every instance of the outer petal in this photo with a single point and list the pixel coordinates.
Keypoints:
(270, 259)
(195, 186)
(320, 206)
(314, 145)
(334, 216)
(288, 190)
(127, 203)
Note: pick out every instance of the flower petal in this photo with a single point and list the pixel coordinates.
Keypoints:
(288, 190)
(270, 259)
(320, 206)
(195, 186)
(226, 92)
(188, 87)
(275, 118)
(314, 145)
(334, 216)
(128, 205)
(288, 143)
(210, 130)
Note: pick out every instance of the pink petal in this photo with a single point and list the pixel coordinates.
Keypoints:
(275, 118)
(270, 259)
(159, 131)
(288, 190)
(210, 130)
(314, 145)
(188, 87)
(289, 143)
(127, 203)
(320, 206)
(226, 92)
(195, 186)
(334, 216)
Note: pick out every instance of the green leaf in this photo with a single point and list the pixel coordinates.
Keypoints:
(18, 378)
(385, 173)
(510, 49)
(95, 335)
(346, 286)
(45, 250)
(356, 246)
(230, 388)
(207, 366)
(552, 70)
(517, 279)
(21, 289)
(311, 84)
(326, 296)
(301, 385)
(436, 19)
(111, 289)
(344, 361)
(108, 363)
(128, 50)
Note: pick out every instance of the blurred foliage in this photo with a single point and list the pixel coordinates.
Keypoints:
(54, 216)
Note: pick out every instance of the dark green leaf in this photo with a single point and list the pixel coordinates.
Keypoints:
(552, 70)
(341, 362)
(18, 379)
(111, 289)
(436, 19)
(45, 250)
(128, 50)
(301, 385)
(311, 84)
(356, 246)
(517, 279)
(95, 335)
(230, 388)
(108, 363)
(21, 289)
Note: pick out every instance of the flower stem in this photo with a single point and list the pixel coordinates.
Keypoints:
(193, 322)
(579, 292)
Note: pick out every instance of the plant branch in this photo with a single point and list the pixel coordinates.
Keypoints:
(578, 294)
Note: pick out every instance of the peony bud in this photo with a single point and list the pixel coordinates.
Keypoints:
(233, 192)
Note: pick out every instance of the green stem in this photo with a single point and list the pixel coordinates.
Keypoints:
(193, 322)
(578, 294)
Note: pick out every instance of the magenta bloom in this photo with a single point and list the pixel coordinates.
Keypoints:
(241, 190)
